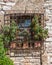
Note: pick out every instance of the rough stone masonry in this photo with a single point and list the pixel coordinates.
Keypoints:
(47, 56)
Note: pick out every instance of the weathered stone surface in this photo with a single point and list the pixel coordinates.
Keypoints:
(25, 60)
(48, 12)
(1, 20)
(34, 6)
(29, 6)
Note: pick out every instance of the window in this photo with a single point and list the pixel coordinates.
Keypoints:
(23, 23)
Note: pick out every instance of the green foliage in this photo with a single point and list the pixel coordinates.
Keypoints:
(6, 32)
(10, 32)
(6, 29)
(13, 29)
(4, 60)
(8, 35)
(2, 52)
(38, 32)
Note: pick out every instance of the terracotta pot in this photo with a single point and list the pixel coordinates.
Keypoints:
(25, 45)
(13, 45)
(37, 44)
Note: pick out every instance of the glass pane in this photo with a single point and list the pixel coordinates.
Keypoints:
(24, 23)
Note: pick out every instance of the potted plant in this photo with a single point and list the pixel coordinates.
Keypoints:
(6, 36)
(38, 33)
(10, 34)
(13, 31)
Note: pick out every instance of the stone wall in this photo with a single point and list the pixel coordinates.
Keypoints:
(32, 58)
(1, 20)
(47, 56)
(26, 61)
(48, 21)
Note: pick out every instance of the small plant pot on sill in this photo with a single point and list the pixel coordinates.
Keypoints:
(25, 45)
(13, 45)
(37, 44)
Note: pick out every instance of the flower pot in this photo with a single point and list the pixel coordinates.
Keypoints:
(25, 45)
(13, 45)
(37, 44)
